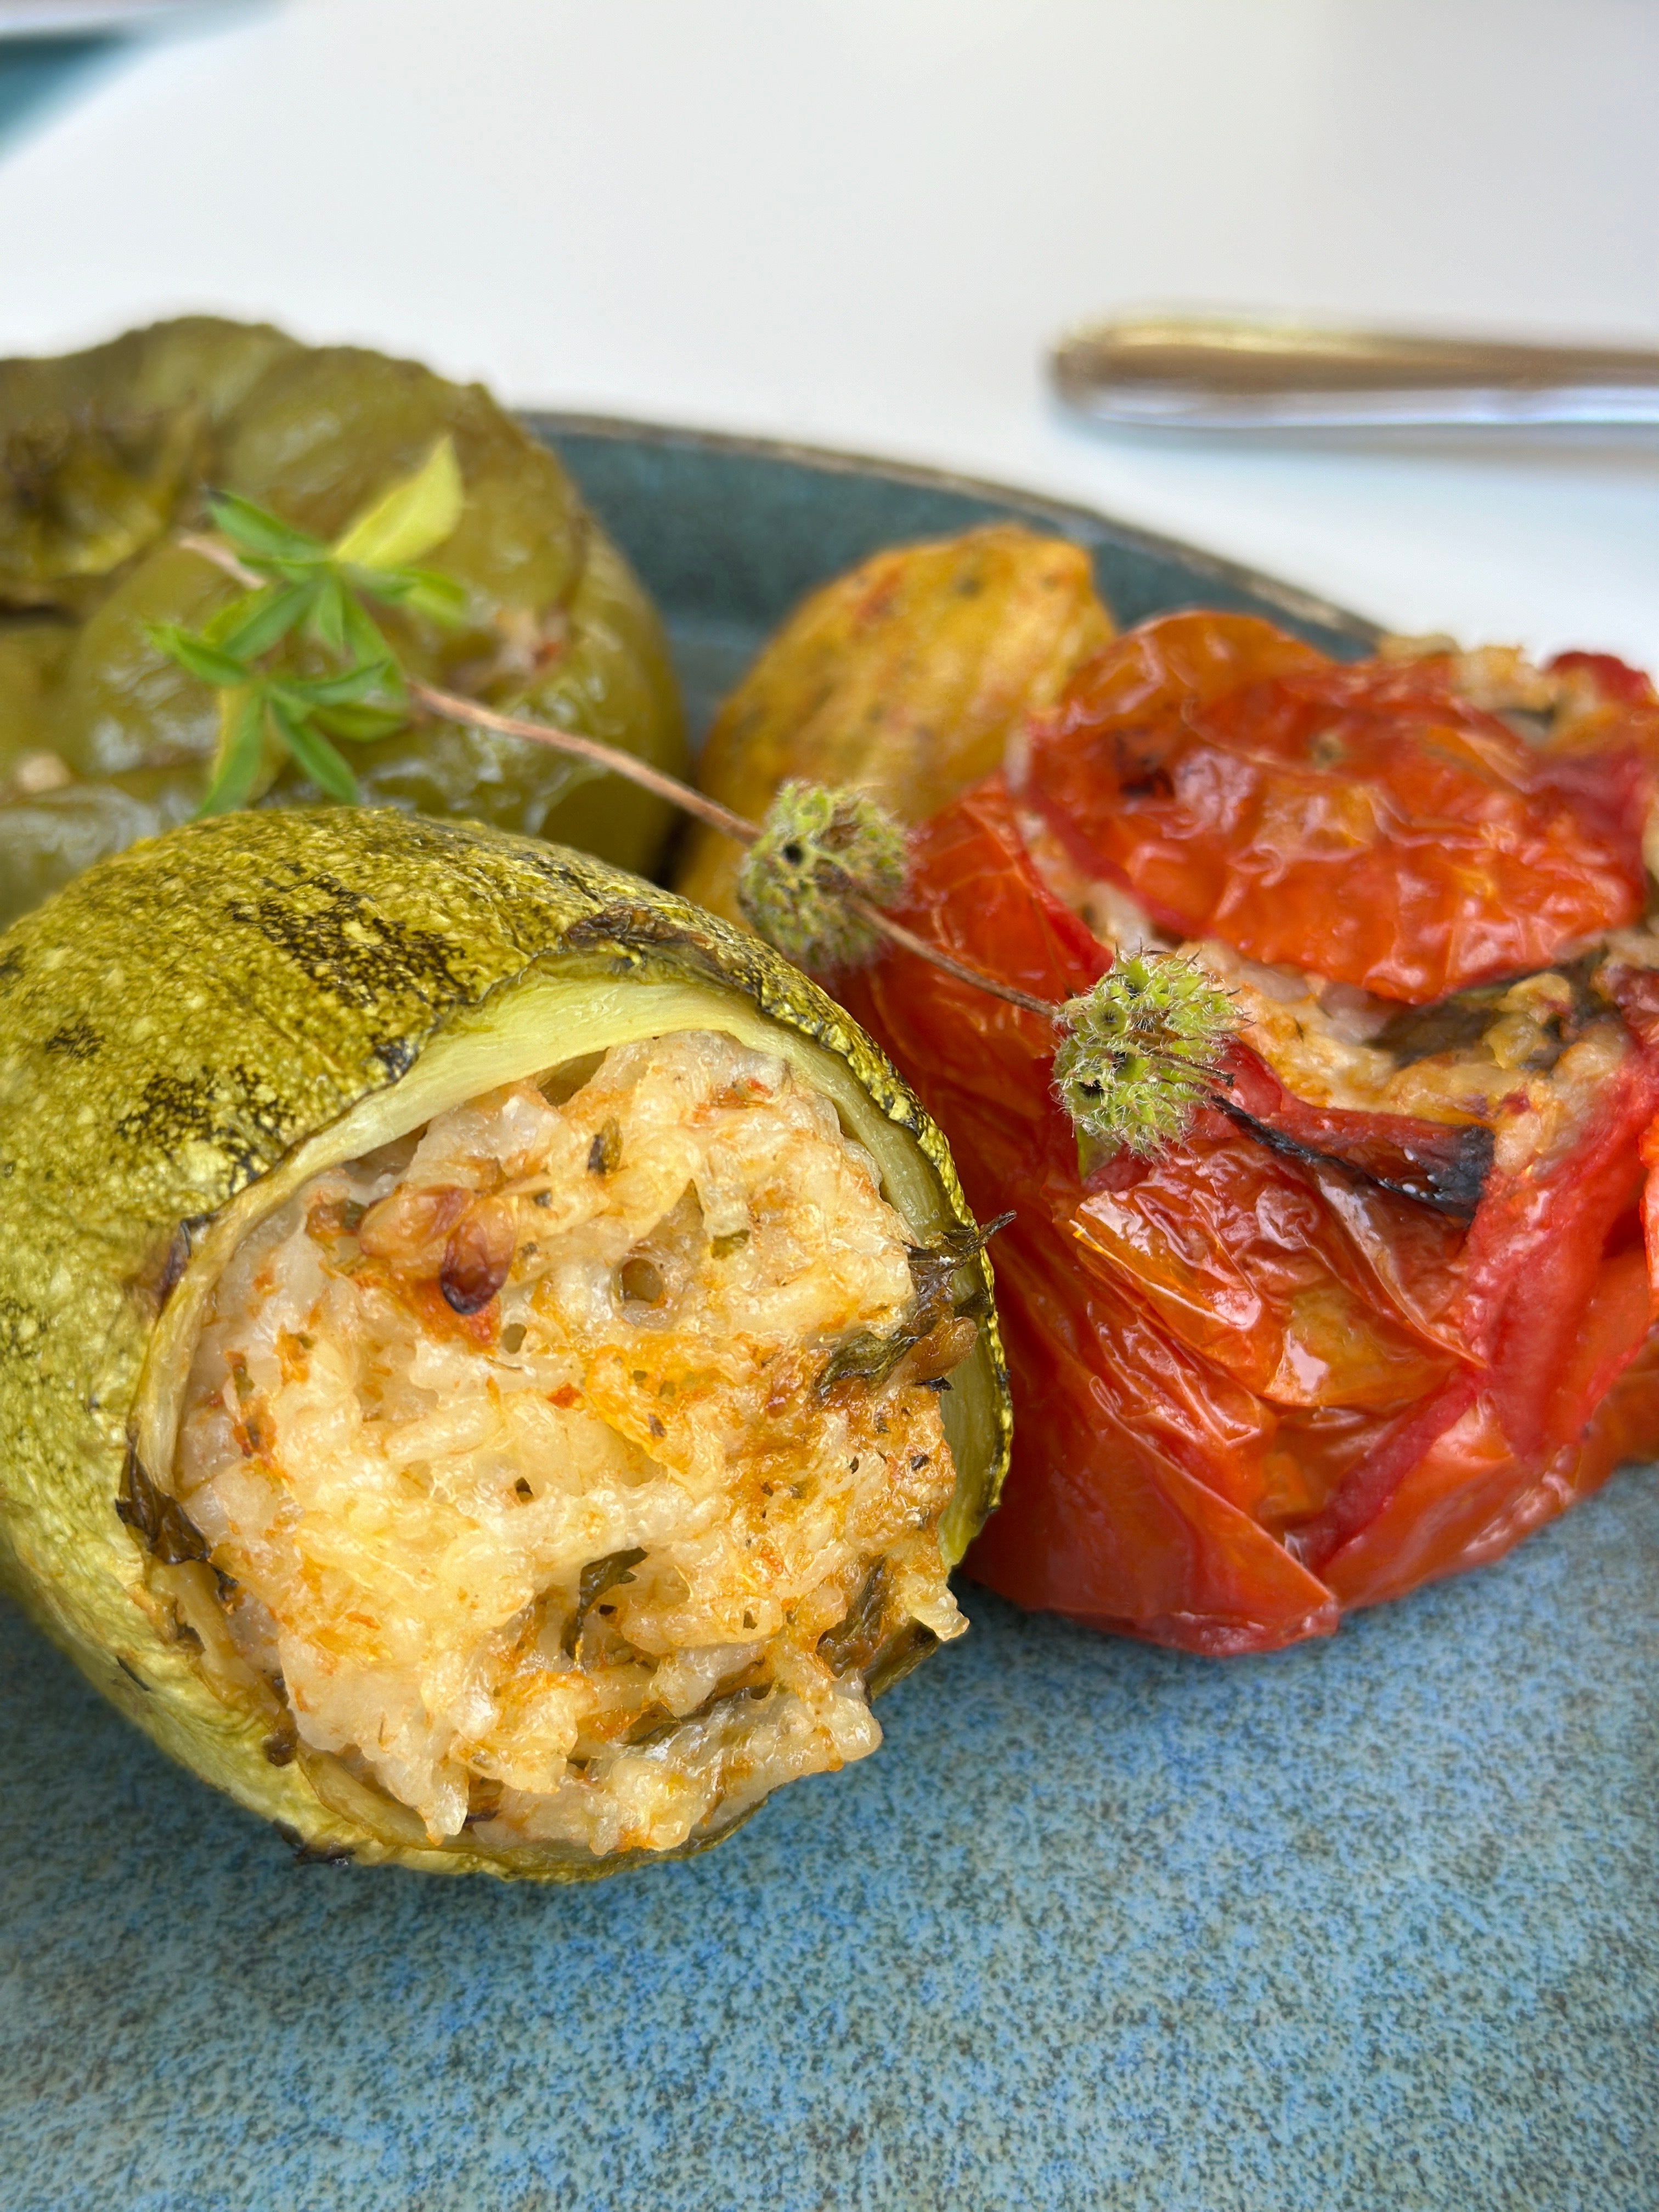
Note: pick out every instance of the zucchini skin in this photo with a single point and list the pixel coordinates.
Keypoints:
(173, 1025)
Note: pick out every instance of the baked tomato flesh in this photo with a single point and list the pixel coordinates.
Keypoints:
(1365, 821)
(1310, 1355)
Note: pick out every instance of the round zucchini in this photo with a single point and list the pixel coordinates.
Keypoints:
(202, 1031)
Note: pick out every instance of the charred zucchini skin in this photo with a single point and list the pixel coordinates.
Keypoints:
(173, 1026)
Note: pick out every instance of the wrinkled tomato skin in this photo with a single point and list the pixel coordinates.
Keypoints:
(1613, 678)
(1365, 823)
(1251, 1392)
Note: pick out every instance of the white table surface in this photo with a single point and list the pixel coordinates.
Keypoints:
(858, 222)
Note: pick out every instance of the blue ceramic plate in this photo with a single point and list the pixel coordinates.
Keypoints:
(1373, 1923)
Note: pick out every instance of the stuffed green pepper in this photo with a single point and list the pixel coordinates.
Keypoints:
(107, 459)
(496, 1369)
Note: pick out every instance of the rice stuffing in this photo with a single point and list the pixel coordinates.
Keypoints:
(567, 1466)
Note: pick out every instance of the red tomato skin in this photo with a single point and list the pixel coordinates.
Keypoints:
(1163, 1485)
(1365, 823)
(1615, 680)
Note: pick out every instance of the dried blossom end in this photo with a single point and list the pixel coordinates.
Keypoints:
(818, 850)
(1139, 1055)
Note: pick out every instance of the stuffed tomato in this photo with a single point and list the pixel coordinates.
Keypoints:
(1386, 1307)
(496, 1369)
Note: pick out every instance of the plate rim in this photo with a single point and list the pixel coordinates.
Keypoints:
(1068, 518)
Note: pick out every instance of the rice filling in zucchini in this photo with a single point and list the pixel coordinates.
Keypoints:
(531, 1482)
(496, 1367)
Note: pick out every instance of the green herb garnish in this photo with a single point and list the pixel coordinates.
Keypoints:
(1136, 1055)
(304, 591)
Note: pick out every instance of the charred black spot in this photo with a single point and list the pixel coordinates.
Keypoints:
(280, 1746)
(171, 1106)
(1447, 1172)
(1457, 1022)
(605, 1153)
(395, 1054)
(305, 1854)
(631, 927)
(76, 1040)
(342, 943)
(625, 921)
(175, 1260)
(1138, 760)
(160, 1522)
(132, 1674)
(235, 1112)
(1451, 1024)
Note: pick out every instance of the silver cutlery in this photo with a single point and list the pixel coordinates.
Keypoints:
(1173, 372)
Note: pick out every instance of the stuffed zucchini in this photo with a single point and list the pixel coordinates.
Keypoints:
(494, 1367)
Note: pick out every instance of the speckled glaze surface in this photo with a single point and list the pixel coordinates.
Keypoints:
(1371, 1924)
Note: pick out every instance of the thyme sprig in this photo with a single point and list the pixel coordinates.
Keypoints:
(1136, 1055)
(299, 590)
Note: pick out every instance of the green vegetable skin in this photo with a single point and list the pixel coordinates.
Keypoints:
(191, 1030)
(103, 458)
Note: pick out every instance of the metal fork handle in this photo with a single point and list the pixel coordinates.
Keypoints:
(1179, 372)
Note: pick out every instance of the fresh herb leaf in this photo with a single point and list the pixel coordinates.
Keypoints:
(359, 726)
(261, 536)
(409, 520)
(363, 639)
(314, 753)
(597, 1577)
(439, 597)
(346, 685)
(328, 616)
(241, 749)
(258, 622)
(200, 656)
(414, 588)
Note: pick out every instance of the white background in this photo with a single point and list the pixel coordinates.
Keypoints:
(859, 222)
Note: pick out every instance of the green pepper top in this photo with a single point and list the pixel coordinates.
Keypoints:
(104, 459)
